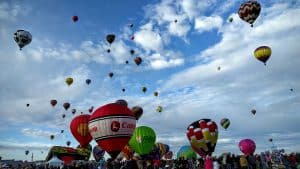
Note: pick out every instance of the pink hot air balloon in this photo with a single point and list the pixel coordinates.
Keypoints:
(247, 146)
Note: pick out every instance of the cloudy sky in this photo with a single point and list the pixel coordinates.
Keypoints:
(180, 60)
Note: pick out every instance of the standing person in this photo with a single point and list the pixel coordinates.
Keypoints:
(216, 163)
(243, 162)
(251, 161)
(208, 162)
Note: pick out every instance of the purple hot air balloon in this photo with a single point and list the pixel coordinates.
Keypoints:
(247, 146)
(98, 153)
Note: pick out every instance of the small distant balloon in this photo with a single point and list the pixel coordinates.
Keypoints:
(291, 90)
(110, 74)
(75, 18)
(123, 90)
(110, 38)
(225, 123)
(26, 152)
(68, 143)
(253, 111)
(155, 94)
(126, 62)
(51, 137)
(53, 102)
(61, 131)
(122, 102)
(27, 105)
(66, 105)
(219, 68)
(88, 81)
(132, 52)
(137, 112)
(138, 60)
(263, 53)
(175, 20)
(132, 37)
(159, 109)
(230, 19)
(270, 140)
(144, 89)
(63, 116)
(73, 111)
(131, 25)
(69, 81)
(91, 109)
(108, 50)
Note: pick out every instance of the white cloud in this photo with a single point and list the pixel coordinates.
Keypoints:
(208, 23)
(9, 12)
(37, 133)
(149, 40)
(170, 59)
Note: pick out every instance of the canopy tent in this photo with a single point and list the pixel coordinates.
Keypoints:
(55, 162)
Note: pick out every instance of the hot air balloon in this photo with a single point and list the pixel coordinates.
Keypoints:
(110, 74)
(291, 89)
(61, 131)
(27, 105)
(69, 81)
(91, 109)
(26, 152)
(137, 112)
(63, 116)
(22, 38)
(142, 140)
(98, 153)
(73, 111)
(110, 38)
(270, 140)
(249, 11)
(203, 136)
(126, 62)
(186, 152)
(112, 126)
(138, 60)
(108, 50)
(263, 53)
(122, 102)
(225, 123)
(253, 111)
(162, 149)
(132, 37)
(132, 52)
(230, 19)
(75, 18)
(52, 137)
(169, 155)
(175, 20)
(79, 129)
(247, 146)
(88, 81)
(131, 25)
(53, 102)
(127, 152)
(219, 68)
(159, 109)
(68, 143)
(123, 90)
(155, 94)
(144, 89)
(66, 105)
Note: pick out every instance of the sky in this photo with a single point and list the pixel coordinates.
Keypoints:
(180, 61)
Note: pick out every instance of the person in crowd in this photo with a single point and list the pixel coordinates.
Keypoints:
(243, 162)
(208, 163)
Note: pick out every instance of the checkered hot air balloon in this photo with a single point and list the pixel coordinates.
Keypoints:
(249, 11)
(203, 136)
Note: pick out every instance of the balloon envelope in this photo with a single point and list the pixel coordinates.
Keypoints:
(112, 126)
(263, 53)
(98, 153)
(143, 140)
(79, 129)
(247, 146)
(203, 136)
(225, 123)
(22, 38)
(249, 11)
(186, 152)
(69, 81)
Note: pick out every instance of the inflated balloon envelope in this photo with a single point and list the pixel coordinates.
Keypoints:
(112, 126)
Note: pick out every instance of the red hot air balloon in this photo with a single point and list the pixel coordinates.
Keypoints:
(112, 126)
(79, 129)
(138, 60)
(75, 18)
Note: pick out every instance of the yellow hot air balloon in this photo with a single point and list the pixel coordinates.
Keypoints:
(263, 53)
(69, 81)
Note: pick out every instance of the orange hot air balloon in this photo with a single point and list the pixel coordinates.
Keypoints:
(79, 129)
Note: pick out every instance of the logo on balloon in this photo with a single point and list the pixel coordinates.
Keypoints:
(83, 129)
(115, 126)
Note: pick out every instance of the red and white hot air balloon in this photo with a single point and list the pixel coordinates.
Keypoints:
(79, 129)
(112, 126)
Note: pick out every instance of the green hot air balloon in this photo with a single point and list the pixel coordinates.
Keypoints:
(186, 152)
(142, 140)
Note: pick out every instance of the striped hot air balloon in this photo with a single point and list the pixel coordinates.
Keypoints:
(263, 53)
(79, 129)
(249, 11)
(225, 123)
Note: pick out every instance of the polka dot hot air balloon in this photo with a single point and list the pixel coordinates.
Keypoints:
(112, 126)
(249, 11)
(79, 129)
(203, 135)
(263, 53)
